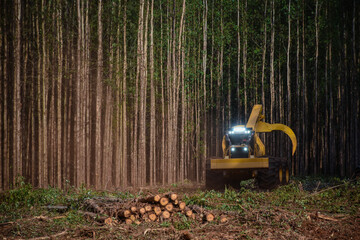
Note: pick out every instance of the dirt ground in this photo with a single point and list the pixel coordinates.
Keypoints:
(250, 214)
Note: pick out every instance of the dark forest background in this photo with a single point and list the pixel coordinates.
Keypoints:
(112, 94)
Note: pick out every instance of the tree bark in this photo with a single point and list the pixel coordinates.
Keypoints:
(99, 90)
(152, 101)
(17, 153)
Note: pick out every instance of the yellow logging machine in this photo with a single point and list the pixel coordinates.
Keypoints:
(244, 156)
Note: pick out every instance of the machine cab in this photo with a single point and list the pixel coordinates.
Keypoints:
(238, 142)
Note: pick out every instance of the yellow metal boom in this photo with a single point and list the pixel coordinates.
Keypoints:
(256, 122)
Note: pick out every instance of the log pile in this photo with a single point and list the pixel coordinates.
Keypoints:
(154, 208)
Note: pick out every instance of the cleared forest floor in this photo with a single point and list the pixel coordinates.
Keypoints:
(307, 208)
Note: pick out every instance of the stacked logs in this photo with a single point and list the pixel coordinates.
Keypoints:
(154, 208)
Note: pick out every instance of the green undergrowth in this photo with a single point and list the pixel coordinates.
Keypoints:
(331, 195)
(302, 194)
(25, 200)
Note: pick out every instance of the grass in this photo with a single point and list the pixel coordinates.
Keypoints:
(301, 194)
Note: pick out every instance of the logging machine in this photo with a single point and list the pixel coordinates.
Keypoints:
(244, 156)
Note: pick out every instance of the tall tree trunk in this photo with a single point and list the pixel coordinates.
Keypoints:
(59, 98)
(135, 161)
(99, 90)
(163, 133)
(238, 62)
(205, 12)
(124, 106)
(245, 58)
(79, 80)
(272, 71)
(315, 128)
(263, 102)
(288, 81)
(152, 101)
(305, 99)
(17, 153)
(298, 86)
(44, 85)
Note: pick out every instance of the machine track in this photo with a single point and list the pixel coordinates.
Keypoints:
(274, 175)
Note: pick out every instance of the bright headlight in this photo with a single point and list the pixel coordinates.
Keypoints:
(233, 149)
(245, 149)
(239, 129)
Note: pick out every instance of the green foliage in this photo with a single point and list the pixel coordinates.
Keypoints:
(25, 196)
(183, 223)
(165, 224)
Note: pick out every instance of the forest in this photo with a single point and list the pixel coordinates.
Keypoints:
(117, 94)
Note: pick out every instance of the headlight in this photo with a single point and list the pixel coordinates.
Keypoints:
(245, 149)
(239, 129)
(233, 149)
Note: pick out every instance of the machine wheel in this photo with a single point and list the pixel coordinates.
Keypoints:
(214, 179)
(286, 174)
(273, 176)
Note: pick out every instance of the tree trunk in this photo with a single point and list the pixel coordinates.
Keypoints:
(17, 153)
(205, 12)
(245, 59)
(272, 71)
(124, 106)
(263, 62)
(315, 127)
(152, 100)
(288, 81)
(99, 90)
(238, 61)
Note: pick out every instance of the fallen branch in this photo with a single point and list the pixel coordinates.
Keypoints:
(153, 230)
(92, 204)
(94, 216)
(41, 218)
(327, 189)
(151, 199)
(51, 236)
(322, 216)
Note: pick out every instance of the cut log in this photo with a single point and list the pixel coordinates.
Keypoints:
(182, 205)
(152, 217)
(157, 210)
(172, 196)
(206, 215)
(165, 214)
(128, 221)
(150, 199)
(164, 201)
(133, 209)
(137, 222)
(109, 221)
(176, 202)
(132, 217)
(196, 208)
(188, 212)
(223, 219)
(209, 217)
(148, 208)
(169, 207)
(124, 213)
(142, 211)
